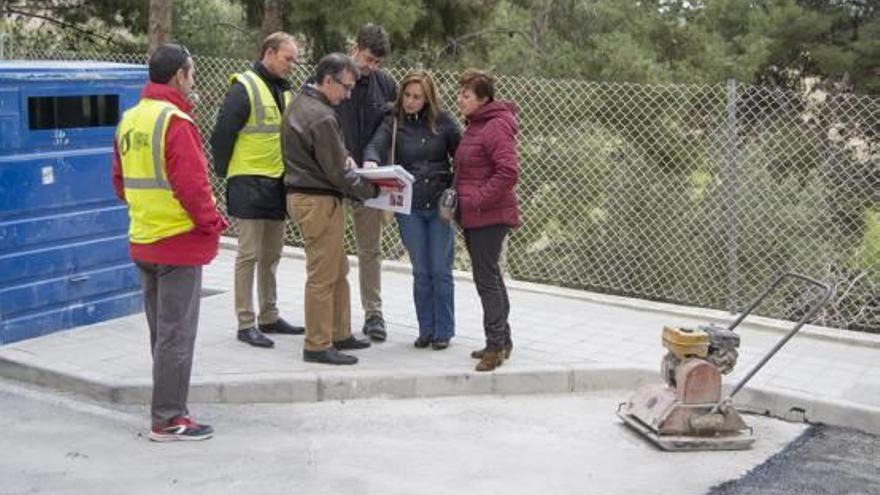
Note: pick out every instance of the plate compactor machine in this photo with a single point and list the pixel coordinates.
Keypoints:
(688, 411)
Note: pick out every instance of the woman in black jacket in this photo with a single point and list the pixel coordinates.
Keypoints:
(427, 137)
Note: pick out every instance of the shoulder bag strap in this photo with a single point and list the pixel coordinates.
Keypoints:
(393, 142)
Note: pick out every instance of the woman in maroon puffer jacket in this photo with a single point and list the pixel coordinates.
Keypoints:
(486, 173)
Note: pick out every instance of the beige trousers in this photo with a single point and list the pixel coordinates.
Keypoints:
(368, 225)
(259, 249)
(327, 298)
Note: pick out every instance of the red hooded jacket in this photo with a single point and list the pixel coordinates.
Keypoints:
(187, 171)
(486, 168)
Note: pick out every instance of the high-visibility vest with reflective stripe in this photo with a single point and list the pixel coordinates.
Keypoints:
(257, 150)
(153, 210)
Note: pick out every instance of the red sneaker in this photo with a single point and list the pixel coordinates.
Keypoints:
(181, 428)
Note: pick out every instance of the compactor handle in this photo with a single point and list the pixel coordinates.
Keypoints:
(828, 293)
(828, 290)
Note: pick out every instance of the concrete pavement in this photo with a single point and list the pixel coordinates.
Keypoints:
(488, 445)
(565, 341)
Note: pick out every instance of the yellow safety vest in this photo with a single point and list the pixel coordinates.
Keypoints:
(153, 210)
(257, 150)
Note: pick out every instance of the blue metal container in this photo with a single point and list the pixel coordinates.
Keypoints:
(64, 258)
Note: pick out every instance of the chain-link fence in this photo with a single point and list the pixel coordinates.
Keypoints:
(685, 193)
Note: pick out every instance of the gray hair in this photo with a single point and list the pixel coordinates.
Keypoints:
(334, 65)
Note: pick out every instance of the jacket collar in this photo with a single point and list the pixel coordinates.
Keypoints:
(363, 80)
(493, 109)
(164, 92)
(414, 117)
(313, 92)
(270, 78)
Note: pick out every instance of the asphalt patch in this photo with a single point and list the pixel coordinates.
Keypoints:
(822, 460)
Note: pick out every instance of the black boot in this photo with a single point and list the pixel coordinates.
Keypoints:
(374, 328)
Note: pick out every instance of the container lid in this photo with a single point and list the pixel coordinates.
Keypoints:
(72, 70)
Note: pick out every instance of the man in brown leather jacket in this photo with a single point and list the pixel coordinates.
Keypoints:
(317, 180)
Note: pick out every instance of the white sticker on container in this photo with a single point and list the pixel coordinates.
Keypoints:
(48, 175)
(60, 138)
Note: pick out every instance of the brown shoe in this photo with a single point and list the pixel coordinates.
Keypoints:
(490, 360)
(508, 348)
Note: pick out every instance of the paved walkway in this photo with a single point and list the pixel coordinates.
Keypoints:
(565, 341)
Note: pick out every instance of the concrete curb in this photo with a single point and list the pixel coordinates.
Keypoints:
(37, 375)
(310, 386)
(791, 406)
(352, 385)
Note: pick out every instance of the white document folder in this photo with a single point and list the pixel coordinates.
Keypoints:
(390, 175)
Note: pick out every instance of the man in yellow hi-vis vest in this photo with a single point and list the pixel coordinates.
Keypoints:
(247, 152)
(160, 170)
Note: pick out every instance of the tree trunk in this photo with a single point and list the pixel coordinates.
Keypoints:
(272, 17)
(159, 29)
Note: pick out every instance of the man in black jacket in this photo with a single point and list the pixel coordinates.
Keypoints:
(247, 152)
(360, 116)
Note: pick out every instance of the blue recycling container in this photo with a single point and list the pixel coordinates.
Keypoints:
(64, 258)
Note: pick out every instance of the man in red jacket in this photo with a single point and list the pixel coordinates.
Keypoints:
(160, 170)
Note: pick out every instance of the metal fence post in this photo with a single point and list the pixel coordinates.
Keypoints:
(730, 155)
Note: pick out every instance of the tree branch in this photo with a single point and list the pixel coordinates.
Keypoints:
(453, 43)
(65, 25)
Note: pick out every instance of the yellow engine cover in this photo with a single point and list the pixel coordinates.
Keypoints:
(684, 342)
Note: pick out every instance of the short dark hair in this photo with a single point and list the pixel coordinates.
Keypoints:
(274, 42)
(166, 60)
(481, 82)
(373, 37)
(334, 65)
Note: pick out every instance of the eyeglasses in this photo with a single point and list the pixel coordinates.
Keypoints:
(348, 87)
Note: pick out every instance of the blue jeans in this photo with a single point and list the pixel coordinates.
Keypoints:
(430, 242)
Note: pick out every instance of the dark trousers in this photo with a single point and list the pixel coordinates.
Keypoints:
(484, 247)
(171, 302)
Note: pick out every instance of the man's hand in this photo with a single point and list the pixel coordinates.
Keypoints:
(350, 163)
(370, 164)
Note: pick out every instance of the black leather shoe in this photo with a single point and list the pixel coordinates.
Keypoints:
(439, 345)
(282, 327)
(330, 356)
(374, 328)
(255, 338)
(351, 343)
(422, 342)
